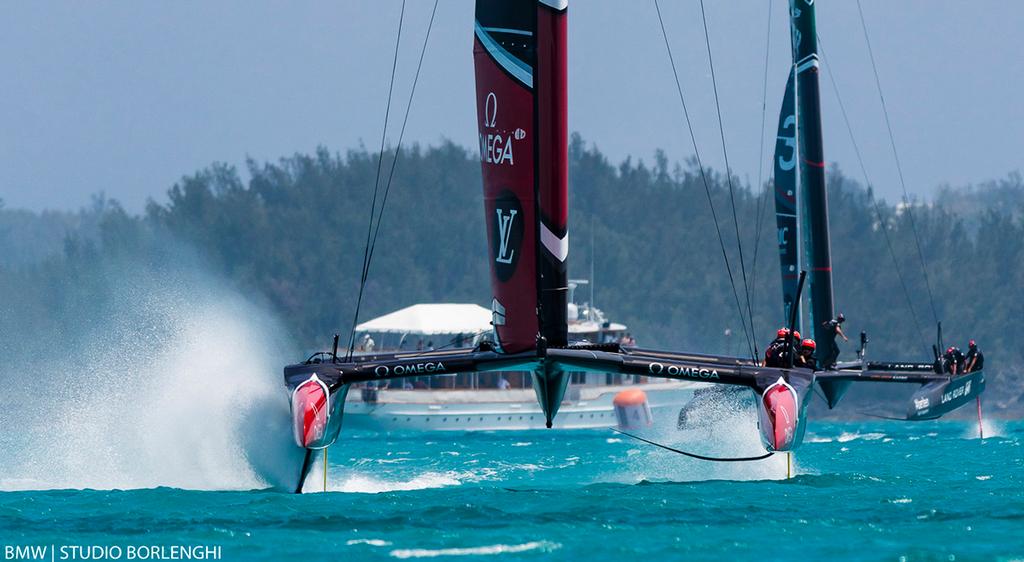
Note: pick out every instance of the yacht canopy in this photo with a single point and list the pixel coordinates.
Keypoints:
(431, 319)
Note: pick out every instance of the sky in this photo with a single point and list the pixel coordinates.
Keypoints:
(126, 97)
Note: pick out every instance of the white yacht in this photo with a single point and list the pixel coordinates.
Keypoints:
(586, 406)
(493, 401)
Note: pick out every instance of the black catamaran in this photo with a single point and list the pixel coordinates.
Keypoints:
(520, 64)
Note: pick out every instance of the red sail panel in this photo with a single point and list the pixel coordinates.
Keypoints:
(519, 57)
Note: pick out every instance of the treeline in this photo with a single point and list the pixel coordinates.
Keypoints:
(292, 233)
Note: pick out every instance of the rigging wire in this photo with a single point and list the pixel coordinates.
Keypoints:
(874, 201)
(405, 121)
(391, 175)
(376, 181)
(693, 455)
(763, 203)
(704, 178)
(899, 168)
(728, 175)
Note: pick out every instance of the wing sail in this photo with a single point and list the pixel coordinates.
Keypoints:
(785, 163)
(520, 65)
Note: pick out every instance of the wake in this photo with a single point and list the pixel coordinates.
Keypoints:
(726, 427)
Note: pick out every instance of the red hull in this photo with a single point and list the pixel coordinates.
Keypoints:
(310, 412)
(779, 416)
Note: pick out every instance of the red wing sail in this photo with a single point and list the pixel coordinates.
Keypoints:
(519, 55)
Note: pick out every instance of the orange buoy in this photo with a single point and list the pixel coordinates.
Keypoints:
(631, 409)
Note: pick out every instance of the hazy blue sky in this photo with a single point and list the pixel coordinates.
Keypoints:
(126, 97)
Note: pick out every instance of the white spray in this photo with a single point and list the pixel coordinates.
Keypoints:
(723, 427)
(176, 383)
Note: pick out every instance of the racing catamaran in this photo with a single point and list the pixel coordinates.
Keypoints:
(520, 64)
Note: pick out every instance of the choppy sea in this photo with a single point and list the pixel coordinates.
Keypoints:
(858, 491)
(161, 431)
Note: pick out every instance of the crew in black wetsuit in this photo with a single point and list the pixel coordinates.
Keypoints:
(975, 359)
(806, 356)
(777, 352)
(836, 326)
(953, 361)
(772, 350)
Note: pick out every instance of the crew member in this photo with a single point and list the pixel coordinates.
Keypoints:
(777, 352)
(806, 356)
(975, 359)
(772, 350)
(780, 336)
(836, 327)
(954, 360)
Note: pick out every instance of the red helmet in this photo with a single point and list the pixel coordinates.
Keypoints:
(949, 350)
(972, 344)
(796, 334)
(808, 344)
(783, 332)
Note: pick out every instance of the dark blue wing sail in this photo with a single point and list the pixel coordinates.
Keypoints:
(785, 163)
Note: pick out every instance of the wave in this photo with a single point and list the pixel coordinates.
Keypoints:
(362, 484)
(543, 546)
(368, 542)
(846, 437)
(171, 380)
(989, 427)
(724, 427)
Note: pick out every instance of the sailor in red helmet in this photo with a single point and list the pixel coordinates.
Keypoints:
(771, 353)
(953, 360)
(777, 352)
(805, 357)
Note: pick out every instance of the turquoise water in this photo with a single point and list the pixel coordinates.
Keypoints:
(861, 491)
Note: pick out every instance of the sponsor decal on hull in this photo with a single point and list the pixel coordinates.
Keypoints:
(682, 371)
(410, 370)
(956, 393)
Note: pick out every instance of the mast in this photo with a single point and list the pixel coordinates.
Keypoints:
(813, 198)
